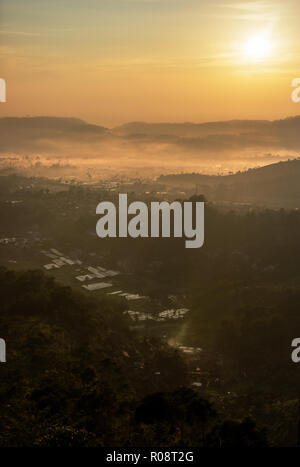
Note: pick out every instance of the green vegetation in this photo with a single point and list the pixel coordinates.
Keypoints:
(76, 376)
(243, 292)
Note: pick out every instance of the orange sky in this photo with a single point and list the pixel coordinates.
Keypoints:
(113, 61)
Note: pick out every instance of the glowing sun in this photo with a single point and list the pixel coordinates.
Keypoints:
(257, 48)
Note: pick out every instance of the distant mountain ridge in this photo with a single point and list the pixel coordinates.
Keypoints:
(157, 128)
(39, 122)
(188, 128)
(232, 143)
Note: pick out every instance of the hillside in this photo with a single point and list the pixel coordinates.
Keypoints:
(274, 185)
(76, 376)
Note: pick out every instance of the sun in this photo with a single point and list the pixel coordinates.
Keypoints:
(257, 48)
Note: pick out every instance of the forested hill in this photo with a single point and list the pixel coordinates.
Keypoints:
(76, 376)
(69, 355)
(274, 185)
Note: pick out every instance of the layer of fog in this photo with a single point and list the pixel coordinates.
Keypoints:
(66, 147)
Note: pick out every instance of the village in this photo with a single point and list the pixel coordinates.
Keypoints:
(98, 278)
(91, 266)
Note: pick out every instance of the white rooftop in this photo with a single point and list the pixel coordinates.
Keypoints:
(97, 286)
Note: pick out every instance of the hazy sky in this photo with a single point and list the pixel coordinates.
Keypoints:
(113, 61)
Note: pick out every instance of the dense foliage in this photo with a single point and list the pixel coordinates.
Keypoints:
(76, 376)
